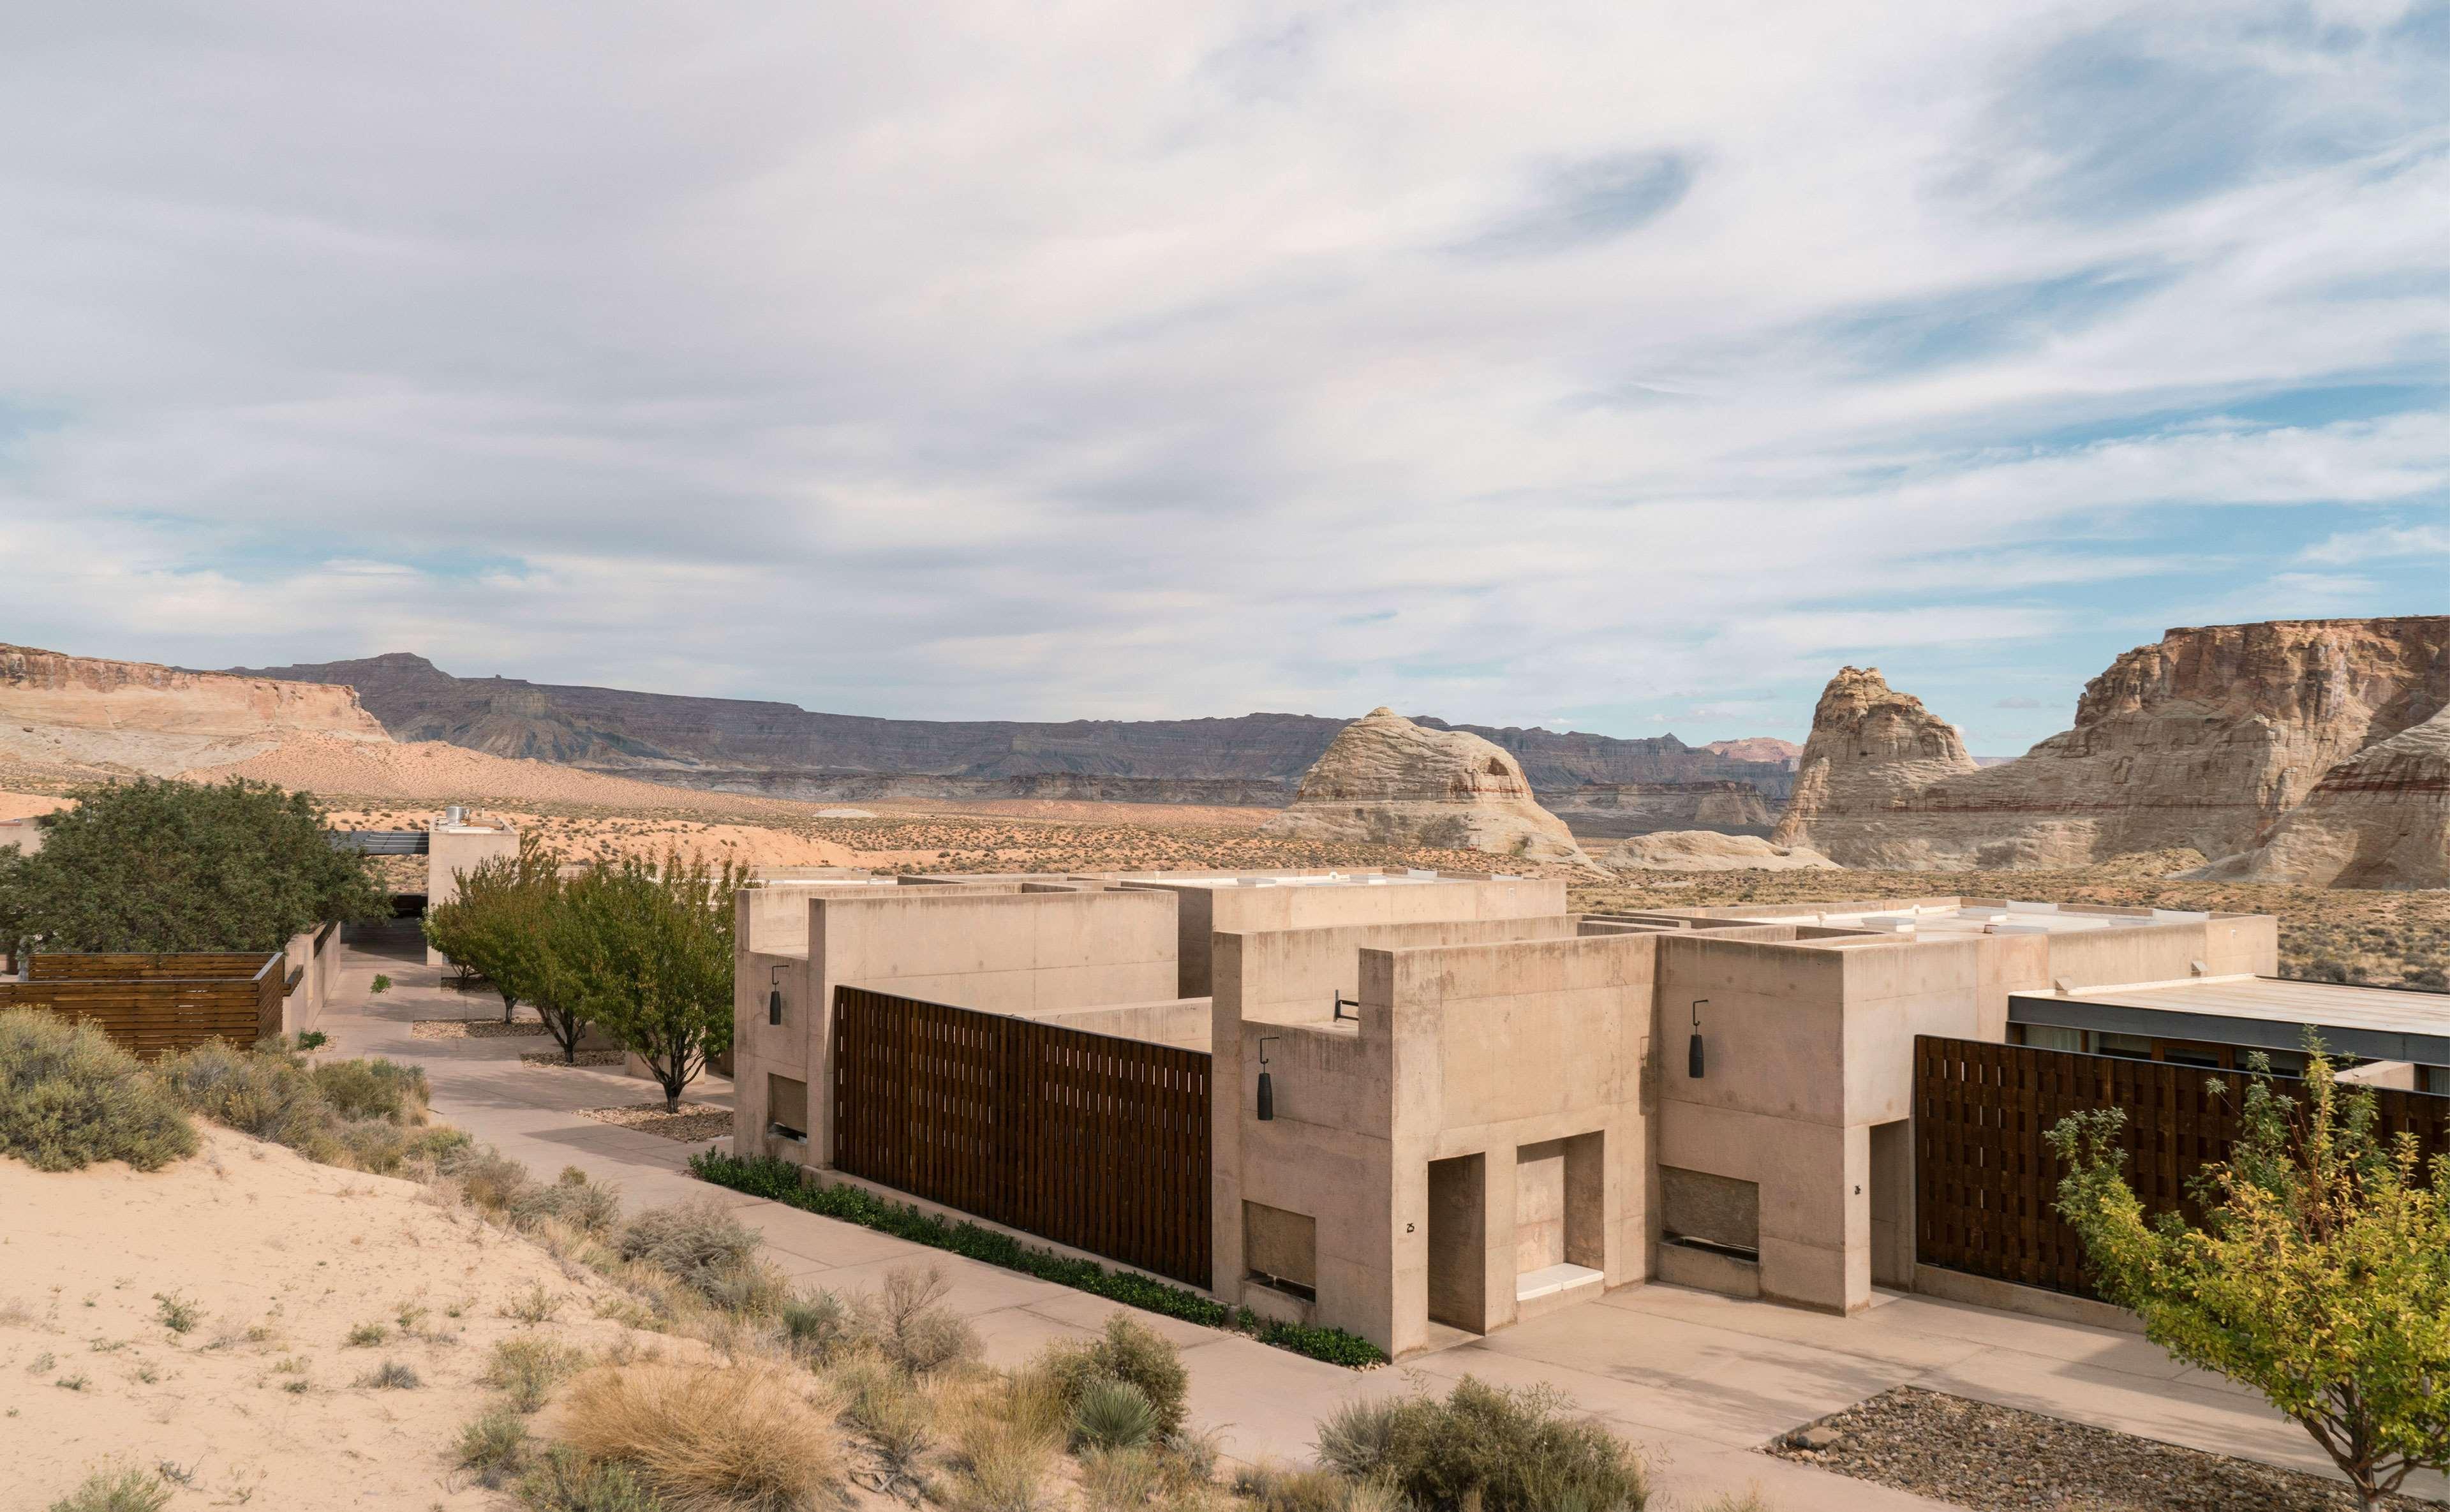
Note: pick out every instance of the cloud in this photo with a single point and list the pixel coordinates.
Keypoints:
(2018, 703)
(1185, 360)
(2380, 543)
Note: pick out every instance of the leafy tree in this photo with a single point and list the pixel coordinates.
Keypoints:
(495, 926)
(166, 865)
(2320, 1276)
(649, 951)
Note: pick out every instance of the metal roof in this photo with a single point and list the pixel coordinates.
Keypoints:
(2383, 1024)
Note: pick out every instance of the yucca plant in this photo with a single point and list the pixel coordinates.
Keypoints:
(1112, 1415)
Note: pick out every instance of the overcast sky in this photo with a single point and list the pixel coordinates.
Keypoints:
(1624, 367)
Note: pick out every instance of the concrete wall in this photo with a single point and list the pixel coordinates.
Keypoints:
(453, 849)
(1182, 1021)
(303, 1010)
(1293, 976)
(1482, 1055)
(1008, 950)
(1229, 907)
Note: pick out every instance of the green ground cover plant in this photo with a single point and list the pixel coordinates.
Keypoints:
(766, 1176)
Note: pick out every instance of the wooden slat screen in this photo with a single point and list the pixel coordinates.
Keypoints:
(1090, 1140)
(151, 1011)
(193, 966)
(1985, 1178)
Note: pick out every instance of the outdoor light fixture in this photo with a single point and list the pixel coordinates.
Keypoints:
(1267, 1088)
(1342, 1002)
(1693, 1052)
(774, 999)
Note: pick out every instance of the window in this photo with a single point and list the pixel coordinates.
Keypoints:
(2134, 1047)
(1280, 1250)
(2049, 1036)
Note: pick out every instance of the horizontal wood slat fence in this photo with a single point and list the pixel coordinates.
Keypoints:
(156, 1004)
(1090, 1140)
(1986, 1179)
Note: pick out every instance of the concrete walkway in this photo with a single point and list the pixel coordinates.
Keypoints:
(1698, 1382)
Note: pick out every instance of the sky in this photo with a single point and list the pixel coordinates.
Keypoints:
(1616, 367)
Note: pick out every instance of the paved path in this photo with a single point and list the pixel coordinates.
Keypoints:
(1699, 1381)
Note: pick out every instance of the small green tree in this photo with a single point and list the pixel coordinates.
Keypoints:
(2320, 1276)
(496, 926)
(649, 951)
(163, 866)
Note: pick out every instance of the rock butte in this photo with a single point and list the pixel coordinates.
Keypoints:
(2209, 738)
(1386, 780)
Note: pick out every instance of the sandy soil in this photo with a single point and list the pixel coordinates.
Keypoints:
(281, 1258)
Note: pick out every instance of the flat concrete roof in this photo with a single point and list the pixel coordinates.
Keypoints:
(2378, 1023)
(1361, 878)
(2001, 918)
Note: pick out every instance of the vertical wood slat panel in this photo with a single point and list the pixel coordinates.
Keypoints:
(1986, 1180)
(1093, 1141)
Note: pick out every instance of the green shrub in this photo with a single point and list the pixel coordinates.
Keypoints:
(122, 1489)
(563, 1479)
(373, 1089)
(1133, 1354)
(264, 1093)
(366, 1336)
(312, 1039)
(380, 985)
(766, 1176)
(70, 1097)
(492, 1445)
(176, 1312)
(1484, 1446)
(1112, 1414)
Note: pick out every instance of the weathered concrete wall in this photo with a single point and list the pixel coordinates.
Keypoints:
(452, 850)
(1293, 976)
(1183, 1022)
(1253, 908)
(1003, 951)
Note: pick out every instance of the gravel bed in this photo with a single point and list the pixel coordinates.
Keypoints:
(473, 1029)
(1994, 1459)
(586, 1057)
(695, 1122)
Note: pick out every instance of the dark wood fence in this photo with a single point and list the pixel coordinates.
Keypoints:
(1986, 1179)
(155, 1004)
(1093, 1141)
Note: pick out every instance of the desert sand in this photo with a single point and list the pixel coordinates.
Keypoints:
(280, 1258)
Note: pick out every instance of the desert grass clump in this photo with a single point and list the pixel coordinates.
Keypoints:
(1112, 1415)
(488, 1180)
(527, 1367)
(70, 1097)
(1484, 1446)
(1275, 1489)
(366, 1336)
(697, 1241)
(574, 1200)
(1130, 1352)
(1005, 1434)
(906, 1321)
(116, 1488)
(494, 1446)
(563, 1479)
(743, 1436)
(177, 1313)
(390, 1376)
(888, 1411)
(535, 1305)
(814, 1325)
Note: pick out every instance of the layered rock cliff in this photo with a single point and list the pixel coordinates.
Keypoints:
(1386, 780)
(2379, 819)
(2206, 740)
(737, 745)
(90, 714)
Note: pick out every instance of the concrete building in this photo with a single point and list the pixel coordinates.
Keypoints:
(1482, 1106)
(457, 843)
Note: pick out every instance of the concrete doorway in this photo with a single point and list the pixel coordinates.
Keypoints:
(1459, 1243)
(1892, 1204)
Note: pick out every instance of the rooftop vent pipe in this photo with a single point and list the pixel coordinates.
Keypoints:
(455, 816)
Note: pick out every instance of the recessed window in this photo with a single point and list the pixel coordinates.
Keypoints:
(786, 1107)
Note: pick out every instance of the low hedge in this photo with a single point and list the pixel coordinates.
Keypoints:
(766, 1176)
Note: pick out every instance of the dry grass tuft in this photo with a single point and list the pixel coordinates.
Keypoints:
(1006, 1433)
(738, 1438)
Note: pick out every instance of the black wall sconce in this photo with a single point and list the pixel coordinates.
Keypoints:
(774, 997)
(1267, 1087)
(1693, 1050)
